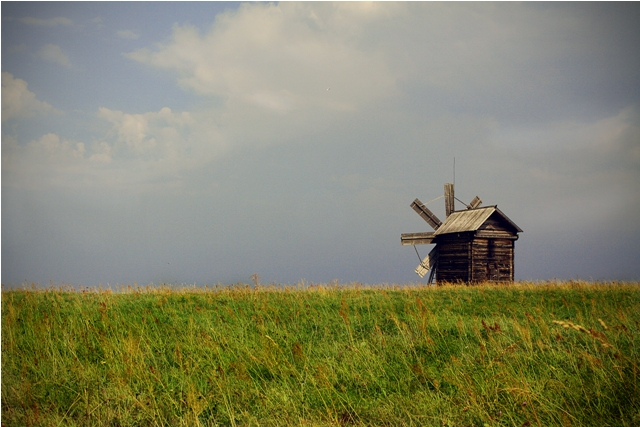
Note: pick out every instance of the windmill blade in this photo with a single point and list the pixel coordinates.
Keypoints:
(410, 239)
(449, 199)
(421, 271)
(426, 214)
(475, 203)
(427, 263)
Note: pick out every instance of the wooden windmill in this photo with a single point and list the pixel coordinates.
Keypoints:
(472, 245)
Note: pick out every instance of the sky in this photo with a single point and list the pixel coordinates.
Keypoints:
(202, 143)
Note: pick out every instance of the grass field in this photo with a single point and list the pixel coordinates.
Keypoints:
(525, 354)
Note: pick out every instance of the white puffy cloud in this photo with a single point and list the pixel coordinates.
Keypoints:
(132, 129)
(149, 133)
(52, 147)
(54, 54)
(49, 161)
(138, 149)
(518, 73)
(18, 101)
(279, 73)
(279, 58)
(516, 62)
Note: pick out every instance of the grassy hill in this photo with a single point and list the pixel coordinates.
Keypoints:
(510, 355)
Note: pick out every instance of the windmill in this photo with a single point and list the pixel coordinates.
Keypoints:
(472, 245)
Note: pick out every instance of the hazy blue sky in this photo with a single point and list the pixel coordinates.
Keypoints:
(204, 142)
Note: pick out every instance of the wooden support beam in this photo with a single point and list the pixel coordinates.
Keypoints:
(409, 239)
(449, 199)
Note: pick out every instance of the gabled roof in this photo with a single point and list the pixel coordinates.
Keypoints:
(471, 220)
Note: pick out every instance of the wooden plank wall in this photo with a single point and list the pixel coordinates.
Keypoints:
(492, 259)
(453, 258)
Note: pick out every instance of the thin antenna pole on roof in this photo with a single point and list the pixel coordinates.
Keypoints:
(454, 172)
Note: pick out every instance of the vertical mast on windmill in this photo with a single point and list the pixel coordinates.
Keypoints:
(449, 202)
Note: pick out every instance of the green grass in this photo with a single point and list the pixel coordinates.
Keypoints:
(518, 355)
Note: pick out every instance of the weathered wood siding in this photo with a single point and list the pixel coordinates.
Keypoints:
(492, 259)
(454, 256)
(493, 251)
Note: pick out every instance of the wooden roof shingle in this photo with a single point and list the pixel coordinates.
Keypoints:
(471, 220)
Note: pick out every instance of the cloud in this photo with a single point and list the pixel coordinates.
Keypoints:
(280, 58)
(51, 22)
(580, 173)
(461, 76)
(128, 34)
(48, 162)
(51, 146)
(101, 153)
(132, 129)
(18, 101)
(282, 101)
(604, 135)
(511, 85)
(150, 149)
(150, 132)
(54, 54)
(516, 62)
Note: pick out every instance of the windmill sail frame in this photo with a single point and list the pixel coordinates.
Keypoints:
(426, 214)
(428, 263)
